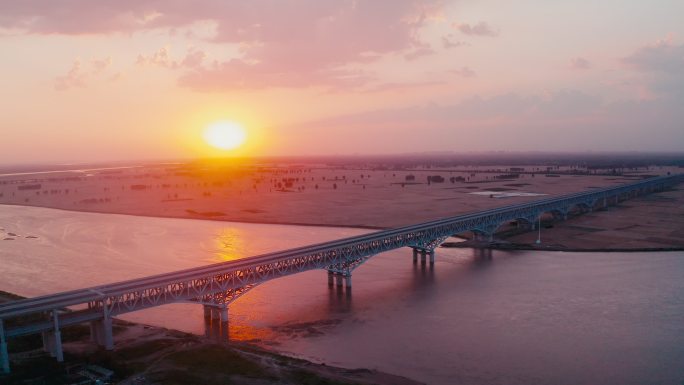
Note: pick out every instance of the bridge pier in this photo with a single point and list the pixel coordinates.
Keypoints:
(4, 355)
(339, 279)
(101, 332)
(56, 338)
(96, 334)
(108, 335)
(432, 257)
(415, 256)
(93, 332)
(224, 313)
(46, 341)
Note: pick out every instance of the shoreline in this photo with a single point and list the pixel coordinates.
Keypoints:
(501, 244)
(147, 354)
(560, 248)
(209, 218)
(556, 248)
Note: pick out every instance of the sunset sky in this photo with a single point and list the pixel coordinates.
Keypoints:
(90, 80)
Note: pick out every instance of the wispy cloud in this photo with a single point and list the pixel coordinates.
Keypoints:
(580, 63)
(449, 42)
(662, 67)
(303, 42)
(479, 29)
(464, 72)
(75, 77)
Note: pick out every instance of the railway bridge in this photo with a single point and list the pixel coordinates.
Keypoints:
(216, 286)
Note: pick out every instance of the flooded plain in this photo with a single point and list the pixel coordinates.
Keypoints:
(473, 318)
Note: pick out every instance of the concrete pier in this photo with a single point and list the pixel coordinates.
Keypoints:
(415, 256)
(331, 278)
(224, 313)
(4, 355)
(107, 334)
(57, 338)
(93, 332)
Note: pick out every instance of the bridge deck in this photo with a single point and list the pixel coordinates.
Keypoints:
(221, 283)
(97, 293)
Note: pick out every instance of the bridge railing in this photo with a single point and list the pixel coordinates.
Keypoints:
(128, 295)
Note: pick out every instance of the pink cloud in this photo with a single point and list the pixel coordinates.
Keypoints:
(448, 42)
(479, 29)
(663, 56)
(290, 43)
(73, 78)
(100, 65)
(238, 74)
(464, 72)
(160, 58)
(580, 63)
(419, 52)
(193, 59)
(659, 67)
(559, 120)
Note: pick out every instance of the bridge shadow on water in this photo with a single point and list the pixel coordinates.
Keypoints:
(341, 304)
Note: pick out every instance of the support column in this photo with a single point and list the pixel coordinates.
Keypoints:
(422, 257)
(432, 257)
(93, 332)
(59, 354)
(4, 355)
(215, 313)
(347, 281)
(339, 280)
(46, 341)
(207, 312)
(415, 256)
(224, 313)
(331, 279)
(107, 333)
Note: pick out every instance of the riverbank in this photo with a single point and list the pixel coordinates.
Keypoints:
(371, 199)
(503, 245)
(153, 355)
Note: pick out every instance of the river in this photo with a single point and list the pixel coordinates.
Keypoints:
(508, 318)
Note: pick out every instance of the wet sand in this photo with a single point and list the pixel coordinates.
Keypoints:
(651, 222)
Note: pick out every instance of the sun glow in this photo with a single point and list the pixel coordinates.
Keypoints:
(225, 135)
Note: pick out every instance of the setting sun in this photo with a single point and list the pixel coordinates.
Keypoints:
(225, 135)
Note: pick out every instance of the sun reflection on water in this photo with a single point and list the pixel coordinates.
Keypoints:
(229, 244)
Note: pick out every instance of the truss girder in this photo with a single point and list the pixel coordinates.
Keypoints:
(224, 282)
(228, 286)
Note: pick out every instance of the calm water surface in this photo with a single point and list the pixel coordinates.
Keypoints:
(514, 318)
